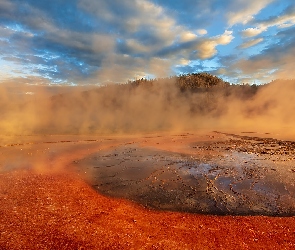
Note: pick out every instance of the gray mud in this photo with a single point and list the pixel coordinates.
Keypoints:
(253, 176)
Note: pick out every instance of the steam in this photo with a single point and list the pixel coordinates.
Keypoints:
(149, 107)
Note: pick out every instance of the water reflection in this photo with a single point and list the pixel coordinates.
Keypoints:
(238, 183)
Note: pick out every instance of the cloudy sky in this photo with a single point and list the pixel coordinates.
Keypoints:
(96, 41)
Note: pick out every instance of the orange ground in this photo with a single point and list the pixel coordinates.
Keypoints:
(60, 211)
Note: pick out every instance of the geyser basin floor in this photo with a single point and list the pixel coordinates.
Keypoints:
(244, 176)
(45, 205)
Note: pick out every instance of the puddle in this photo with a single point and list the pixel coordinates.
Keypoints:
(238, 183)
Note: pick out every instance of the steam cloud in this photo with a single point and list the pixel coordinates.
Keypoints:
(149, 107)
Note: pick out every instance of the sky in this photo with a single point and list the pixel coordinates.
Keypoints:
(99, 41)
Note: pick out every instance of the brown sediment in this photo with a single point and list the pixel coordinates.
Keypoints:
(57, 209)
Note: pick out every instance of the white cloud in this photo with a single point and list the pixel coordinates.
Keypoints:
(251, 43)
(120, 68)
(152, 20)
(207, 48)
(284, 21)
(225, 38)
(282, 66)
(136, 46)
(242, 11)
(102, 43)
(187, 36)
(250, 32)
(124, 38)
(183, 61)
(202, 32)
(138, 20)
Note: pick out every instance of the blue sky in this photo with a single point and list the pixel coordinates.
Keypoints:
(98, 41)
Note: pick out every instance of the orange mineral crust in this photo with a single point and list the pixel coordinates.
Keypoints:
(60, 211)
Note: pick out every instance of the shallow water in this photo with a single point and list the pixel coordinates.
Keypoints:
(237, 183)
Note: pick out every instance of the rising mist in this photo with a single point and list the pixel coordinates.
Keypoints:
(189, 102)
